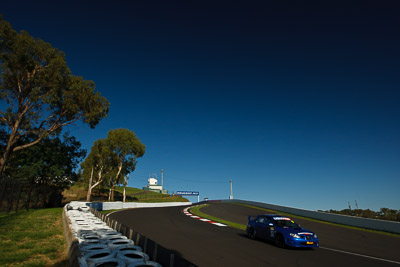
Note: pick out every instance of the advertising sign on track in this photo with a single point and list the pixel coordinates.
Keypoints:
(187, 193)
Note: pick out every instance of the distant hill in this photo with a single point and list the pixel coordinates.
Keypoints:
(78, 193)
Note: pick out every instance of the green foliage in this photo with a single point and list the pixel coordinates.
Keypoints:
(383, 214)
(52, 161)
(100, 158)
(113, 158)
(127, 148)
(40, 92)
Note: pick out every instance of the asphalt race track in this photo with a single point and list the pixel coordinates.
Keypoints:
(205, 244)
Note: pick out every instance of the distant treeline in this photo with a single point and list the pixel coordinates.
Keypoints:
(383, 214)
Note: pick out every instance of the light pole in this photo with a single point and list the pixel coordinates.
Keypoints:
(231, 195)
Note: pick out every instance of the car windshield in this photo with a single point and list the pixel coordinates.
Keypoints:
(285, 222)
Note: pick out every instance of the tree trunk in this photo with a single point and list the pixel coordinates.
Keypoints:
(126, 177)
(10, 142)
(116, 180)
(19, 196)
(11, 198)
(112, 192)
(3, 193)
(38, 188)
(89, 192)
(99, 180)
(124, 198)
(28, 202)
(44, 194)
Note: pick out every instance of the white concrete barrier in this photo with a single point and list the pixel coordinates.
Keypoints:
(129, 205)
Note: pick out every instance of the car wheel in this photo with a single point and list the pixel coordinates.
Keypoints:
(280, 241)
(251, 233)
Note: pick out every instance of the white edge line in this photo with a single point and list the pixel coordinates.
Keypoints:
(201, 219)
(360, 255)
(219, 224)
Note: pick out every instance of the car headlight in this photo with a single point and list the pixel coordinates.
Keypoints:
(315, 236)
(294, 235)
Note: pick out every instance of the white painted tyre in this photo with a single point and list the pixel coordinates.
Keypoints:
(128, 247)
(115, 237)
(98, 256)
(130, 256)
(145, 264)
(109, 262)
(93, 247)
(121, 242)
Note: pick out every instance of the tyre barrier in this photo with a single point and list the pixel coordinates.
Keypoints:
(128, 247)
(104, 263)
(86, 248)
(111, 262)
(113, 237)
(130, 256)
(108, 233)
(120, 242)
(98, 256)
(146, 264)
(99, 245)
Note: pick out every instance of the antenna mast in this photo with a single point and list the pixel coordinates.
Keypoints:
(162, 177)
(231, 196)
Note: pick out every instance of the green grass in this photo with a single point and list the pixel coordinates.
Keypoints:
(139, 195)
(78, 192)
(196, 211)
(32, 238)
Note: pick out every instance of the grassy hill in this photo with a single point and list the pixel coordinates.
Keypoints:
(78, 192)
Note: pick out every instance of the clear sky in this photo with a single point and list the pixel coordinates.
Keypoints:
(297, 103)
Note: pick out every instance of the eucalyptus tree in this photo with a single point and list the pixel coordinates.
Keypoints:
(38, 93)
(128, 148)
(112, 159)
(97, 165)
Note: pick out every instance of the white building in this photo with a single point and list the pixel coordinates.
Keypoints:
(154, 186)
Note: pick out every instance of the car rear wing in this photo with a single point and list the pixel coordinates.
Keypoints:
(251, 217)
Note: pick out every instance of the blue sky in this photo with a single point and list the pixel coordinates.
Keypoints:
(297, 103)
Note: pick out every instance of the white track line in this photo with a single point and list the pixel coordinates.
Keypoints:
(185, 211)
(360, 255)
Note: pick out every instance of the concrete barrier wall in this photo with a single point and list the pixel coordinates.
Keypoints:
(387, 226)
(128, 205)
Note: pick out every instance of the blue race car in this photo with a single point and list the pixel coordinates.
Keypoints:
(282, 230)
